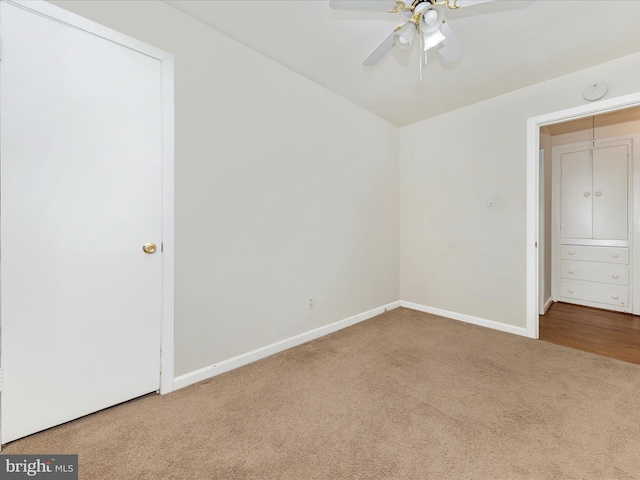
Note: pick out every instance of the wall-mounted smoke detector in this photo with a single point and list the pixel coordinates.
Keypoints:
(595, 92)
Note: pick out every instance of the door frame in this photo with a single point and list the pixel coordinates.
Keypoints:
(42, 8)
(533, 189)
(542, 248)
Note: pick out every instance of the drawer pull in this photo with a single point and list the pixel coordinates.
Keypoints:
(615, 297)
(570, 290)
(597, 194)
(586, 194)
(571, 272)
(615, 275)
(570, 252)
(615, 255)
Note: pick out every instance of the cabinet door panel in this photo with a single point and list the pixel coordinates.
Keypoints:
(610, 193)
(576, 187)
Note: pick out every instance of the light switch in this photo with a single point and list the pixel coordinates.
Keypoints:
(491, 200)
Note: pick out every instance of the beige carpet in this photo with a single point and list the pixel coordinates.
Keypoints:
(405, 396)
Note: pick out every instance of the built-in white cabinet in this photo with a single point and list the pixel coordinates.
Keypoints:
(593, 214)
(594, 193)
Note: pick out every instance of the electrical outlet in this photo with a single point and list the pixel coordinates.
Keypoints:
(310, 302)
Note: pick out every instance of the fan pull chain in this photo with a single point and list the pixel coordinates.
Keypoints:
(423, 57)
(420, 63)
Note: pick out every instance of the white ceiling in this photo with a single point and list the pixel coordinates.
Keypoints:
(510, 44)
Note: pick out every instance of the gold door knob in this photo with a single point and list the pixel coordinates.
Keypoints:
(149, 248)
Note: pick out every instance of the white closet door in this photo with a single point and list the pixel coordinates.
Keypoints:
(576, 188)
(81, 193)
(610, 167)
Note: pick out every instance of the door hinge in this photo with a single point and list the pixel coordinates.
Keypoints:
(162, 247)
(0, 379)
(0, 48)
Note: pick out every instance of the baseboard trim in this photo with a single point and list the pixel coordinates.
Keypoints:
(483, 322)
(266, 351)
(547, 305)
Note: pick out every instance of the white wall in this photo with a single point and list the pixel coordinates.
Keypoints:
(458, 254)
(283, 190)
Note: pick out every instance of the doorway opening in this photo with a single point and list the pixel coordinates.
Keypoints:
(587, 197)
(535, 207)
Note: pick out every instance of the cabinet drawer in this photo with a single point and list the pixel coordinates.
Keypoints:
(590, 272)
(594, 254)
(595, 293)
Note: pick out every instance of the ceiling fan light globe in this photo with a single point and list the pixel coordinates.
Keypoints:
(431, 19)
(404, 36)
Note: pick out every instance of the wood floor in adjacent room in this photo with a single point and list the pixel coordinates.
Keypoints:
(611, 334)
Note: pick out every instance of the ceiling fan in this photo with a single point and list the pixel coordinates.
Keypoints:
(426, 22)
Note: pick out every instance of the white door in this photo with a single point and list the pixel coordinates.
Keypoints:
(81, 192)
(610, 179)
(576, 186)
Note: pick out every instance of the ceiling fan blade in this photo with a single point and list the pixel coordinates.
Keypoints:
(373, 5)
(470, 3)
(452, 49)
(380, 51)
